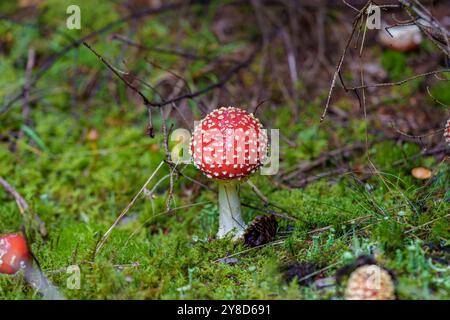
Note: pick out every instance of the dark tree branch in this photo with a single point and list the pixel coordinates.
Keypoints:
(117, 73)
(191, 95)
(183, 54)
(48, 63)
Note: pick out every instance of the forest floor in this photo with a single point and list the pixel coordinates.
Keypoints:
(78, 154)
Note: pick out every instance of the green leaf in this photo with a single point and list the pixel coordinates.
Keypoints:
(34, 136)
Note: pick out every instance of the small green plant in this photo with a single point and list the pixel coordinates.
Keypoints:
(440, 93)
(395, 64)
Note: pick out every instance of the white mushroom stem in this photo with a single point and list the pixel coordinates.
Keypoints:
(230, 220)
(42, 285)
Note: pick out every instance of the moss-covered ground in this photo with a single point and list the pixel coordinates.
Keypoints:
(79, 185)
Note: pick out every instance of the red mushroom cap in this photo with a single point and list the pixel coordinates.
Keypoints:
(14, 254)
(447, 132)
(229, 143)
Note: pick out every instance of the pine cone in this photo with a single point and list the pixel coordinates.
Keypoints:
(260, 231)
(300, 270)
(370, 282)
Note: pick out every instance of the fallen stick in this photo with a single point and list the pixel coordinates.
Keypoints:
(23, 205)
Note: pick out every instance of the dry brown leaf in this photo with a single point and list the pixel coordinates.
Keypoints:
(29, 3)
(154, 148)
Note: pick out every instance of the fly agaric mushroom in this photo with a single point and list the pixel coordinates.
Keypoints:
(370, 282)
(14, 254)
(401, 38)
(228, 145)
(447, 132)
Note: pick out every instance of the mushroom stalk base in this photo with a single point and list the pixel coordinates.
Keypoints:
(41, 284)
(230, 220)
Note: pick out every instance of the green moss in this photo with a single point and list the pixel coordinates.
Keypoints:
(395, 64)
(441, 93)
(79, 187)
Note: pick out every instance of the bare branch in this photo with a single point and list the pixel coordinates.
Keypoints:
(387, 84)
(23, 205)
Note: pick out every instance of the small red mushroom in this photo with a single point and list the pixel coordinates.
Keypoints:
(14, 254)
(228, 145)
(447, 132)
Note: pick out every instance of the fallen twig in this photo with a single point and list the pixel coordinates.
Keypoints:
(27, 87)
(387, 84)
(125, 211)
(183, 54)
(268, 211)
(247, 250)
(23, 205)
(309, 165)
